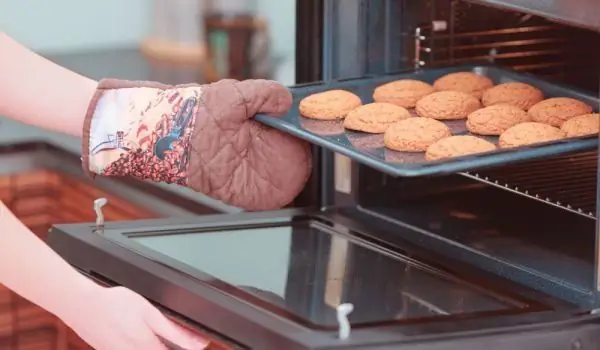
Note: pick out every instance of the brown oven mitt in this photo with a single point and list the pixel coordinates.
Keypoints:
(200, 136)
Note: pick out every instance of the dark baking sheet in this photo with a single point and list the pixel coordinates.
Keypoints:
(368, 149)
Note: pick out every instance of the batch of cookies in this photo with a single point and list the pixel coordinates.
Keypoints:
(517, 113)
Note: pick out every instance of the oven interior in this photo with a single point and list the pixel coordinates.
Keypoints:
(532, 222)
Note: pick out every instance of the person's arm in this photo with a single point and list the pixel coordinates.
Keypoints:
(35, 91)
(34, 271)
(106, 318)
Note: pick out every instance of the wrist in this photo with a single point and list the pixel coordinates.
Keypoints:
(78, 292)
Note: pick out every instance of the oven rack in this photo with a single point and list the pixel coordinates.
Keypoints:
(566, 182)
(512, 45)
(520, 42)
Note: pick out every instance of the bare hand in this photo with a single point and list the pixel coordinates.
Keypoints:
(119, 319)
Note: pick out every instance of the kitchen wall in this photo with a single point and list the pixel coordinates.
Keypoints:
(68, 25)
(72, 25)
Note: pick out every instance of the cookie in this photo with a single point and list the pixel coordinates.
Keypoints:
(414, 134)
(447, 105)
(468, 82)
(517, 94)
(529, 133)
(494, 120)
(582, 125)
(457, 146)
(404, 93)
(375, 117)
(329, 105)
(555, 111)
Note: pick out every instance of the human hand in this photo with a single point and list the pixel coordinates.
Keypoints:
(203, 137)
(119, 319)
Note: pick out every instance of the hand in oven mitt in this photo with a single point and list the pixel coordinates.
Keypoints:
(200, 136)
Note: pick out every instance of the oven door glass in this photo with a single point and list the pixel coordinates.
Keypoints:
(305, 268)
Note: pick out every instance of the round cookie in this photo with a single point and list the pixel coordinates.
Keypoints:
(529, 133)
(404, 93)
(457, 146)
(517, 94)
(375, 117)
(329, 105)
(582, 125)
(494, 120)
(447, 105)
(414, 134)
(555, 111)
(468, 82)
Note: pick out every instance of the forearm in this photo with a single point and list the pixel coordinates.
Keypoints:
(35, 91)
(34, 271)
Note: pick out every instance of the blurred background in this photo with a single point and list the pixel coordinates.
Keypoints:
(172, 41)
(173, 31)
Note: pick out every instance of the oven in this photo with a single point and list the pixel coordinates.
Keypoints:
(384, 250)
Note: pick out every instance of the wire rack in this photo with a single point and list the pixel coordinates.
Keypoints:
(40, 199)
(472, 33)
(568, 182)
(458, 32)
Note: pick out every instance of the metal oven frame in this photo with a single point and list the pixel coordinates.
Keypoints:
(334, 36)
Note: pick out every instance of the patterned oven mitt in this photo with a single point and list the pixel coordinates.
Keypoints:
(199, 136)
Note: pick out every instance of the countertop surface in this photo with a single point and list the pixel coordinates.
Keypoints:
(118, 63)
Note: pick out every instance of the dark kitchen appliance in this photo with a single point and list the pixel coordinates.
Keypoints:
(491, 252)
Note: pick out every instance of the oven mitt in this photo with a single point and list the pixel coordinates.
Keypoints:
(200, 136)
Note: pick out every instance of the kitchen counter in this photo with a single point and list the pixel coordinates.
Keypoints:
(118, 63)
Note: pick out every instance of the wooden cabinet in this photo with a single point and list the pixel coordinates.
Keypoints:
(43, 198)
(40, 199)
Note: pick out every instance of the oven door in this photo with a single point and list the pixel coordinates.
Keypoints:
(275, 280)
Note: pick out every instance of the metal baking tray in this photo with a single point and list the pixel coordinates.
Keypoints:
(368, 149)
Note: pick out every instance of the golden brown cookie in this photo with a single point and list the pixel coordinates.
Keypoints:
(529, 133)
(375, 117)
(447, 105)
(329, 105)
(494, 120)
(414, 134)
(555, 111)
(468, 82)
(582, 125)
(404, 93)
(517, 94)
(457, 146)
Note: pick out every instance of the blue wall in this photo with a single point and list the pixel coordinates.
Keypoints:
(72, 25)
(68, 25)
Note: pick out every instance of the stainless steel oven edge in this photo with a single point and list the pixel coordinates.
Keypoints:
(94, 253)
